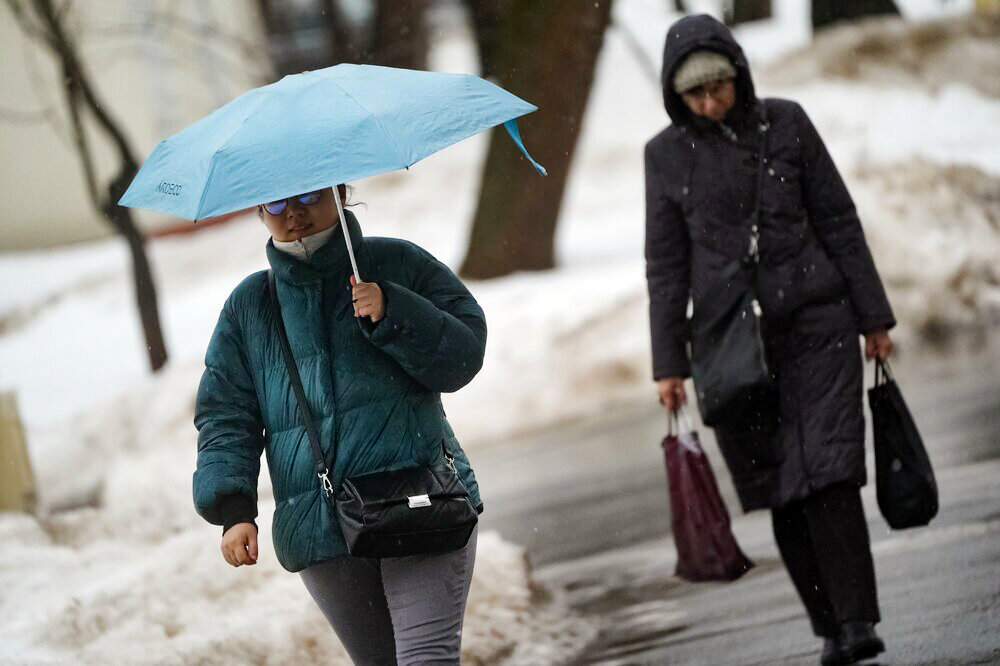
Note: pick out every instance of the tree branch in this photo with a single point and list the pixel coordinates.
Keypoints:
(74, 70)
(33, 31)
(80, 139)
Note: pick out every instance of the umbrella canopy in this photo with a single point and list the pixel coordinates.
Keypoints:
(316, 129)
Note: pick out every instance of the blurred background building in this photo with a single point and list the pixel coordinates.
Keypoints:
(157, 64)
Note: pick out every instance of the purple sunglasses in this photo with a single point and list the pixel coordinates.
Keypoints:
(278, 207)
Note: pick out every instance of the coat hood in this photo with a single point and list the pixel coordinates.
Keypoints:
(689, 34)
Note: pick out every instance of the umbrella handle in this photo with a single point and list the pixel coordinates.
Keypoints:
(347, 235)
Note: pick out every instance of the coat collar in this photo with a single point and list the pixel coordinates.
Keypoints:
(742, 128)
(328, 260)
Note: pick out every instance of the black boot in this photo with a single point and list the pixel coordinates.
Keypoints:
(856, 641)
(831, 652)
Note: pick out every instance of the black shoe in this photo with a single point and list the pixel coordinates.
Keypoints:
(856, 641)
(831, 652)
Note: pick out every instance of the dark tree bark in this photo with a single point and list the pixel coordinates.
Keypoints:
(394, 35)
(485, 15)
(545, 53)
(345, 42)
(744, 11)
(827, 12)
(399, 37)
(45, 24)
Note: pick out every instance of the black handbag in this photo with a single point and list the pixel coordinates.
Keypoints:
(728, 358)
(904, 479)
(392, 513)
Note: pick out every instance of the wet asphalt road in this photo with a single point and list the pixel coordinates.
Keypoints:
(588, 501)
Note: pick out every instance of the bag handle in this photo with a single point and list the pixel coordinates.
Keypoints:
(883, 373)
(322, 472)
(679, 418)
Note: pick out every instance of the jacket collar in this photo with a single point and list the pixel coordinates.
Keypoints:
(328, 260)
(304, 248)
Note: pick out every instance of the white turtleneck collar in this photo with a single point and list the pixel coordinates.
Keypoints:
(304, 248)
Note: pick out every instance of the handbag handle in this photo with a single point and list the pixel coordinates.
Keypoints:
(883, 373)
(322, 472)
(680, 419)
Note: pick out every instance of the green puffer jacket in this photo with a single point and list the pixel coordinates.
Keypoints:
(373, 390)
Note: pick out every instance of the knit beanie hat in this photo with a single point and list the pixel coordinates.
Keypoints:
(702, 67)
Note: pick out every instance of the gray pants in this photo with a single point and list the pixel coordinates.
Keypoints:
(398, 610)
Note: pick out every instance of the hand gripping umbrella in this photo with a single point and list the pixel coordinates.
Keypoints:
(314, 130)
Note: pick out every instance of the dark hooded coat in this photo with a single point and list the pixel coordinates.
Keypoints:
(816, 280)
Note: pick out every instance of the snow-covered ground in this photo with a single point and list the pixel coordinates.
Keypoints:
(135, 576)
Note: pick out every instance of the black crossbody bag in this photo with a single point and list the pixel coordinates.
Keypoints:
(394, 513)
(728, 360)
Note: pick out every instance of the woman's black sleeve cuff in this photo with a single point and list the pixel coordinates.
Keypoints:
(236, 509)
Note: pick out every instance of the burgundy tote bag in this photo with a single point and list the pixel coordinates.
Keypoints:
(706, 547)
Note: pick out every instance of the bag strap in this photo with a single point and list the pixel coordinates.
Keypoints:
(678, 418)
(753, 253)
(883, 373)
(322, 472)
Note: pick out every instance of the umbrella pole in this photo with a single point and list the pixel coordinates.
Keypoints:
(347, 235)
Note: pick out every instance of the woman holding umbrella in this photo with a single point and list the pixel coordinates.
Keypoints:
(332, 363)
(727, 155)
(373, 358)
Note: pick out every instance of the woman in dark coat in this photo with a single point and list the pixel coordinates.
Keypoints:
(818, 289)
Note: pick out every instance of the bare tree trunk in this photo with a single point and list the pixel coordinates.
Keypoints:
(81, 96)
(278, 27)
(744, 11)
(142, 275)
(546, 53)
(485, 15)
(828, 12)
(400, 35)
(346, 43)
(395, 35)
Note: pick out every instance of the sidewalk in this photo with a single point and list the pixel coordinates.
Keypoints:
(939, 590)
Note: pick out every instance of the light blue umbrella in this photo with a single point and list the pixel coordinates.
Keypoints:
(317, 129)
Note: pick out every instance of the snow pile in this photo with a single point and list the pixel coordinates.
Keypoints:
(927, 55)
(944, 273)
(502, 607)
(72, 596)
